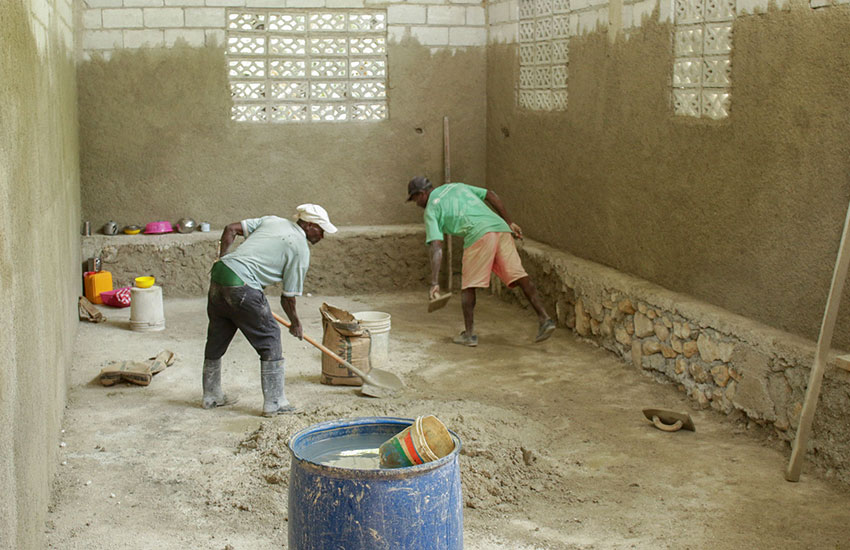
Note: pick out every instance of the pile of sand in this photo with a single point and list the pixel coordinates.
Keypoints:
(499, 463)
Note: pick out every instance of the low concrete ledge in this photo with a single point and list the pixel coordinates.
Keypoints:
(356, 258)
(721, 360)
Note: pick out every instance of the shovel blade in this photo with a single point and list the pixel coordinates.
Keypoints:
(375, 391)
(380, 383)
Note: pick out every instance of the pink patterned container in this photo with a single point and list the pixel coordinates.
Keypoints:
(158, 227)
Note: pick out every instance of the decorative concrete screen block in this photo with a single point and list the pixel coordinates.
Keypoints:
(544, 31)
(702, 45)
(321, 65)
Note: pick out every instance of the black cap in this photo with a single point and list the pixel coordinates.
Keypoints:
(418, 184)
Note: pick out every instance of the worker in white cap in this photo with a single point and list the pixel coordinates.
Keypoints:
(275, 250)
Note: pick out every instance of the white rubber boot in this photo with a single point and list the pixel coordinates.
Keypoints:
(213, 396)
(274, 398)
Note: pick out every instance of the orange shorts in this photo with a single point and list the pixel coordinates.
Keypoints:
(494, 252)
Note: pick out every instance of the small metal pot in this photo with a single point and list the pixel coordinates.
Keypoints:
(110, 228)
(186, 225)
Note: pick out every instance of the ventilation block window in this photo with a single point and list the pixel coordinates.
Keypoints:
(307, 65)
(544, 27)
(701, 63)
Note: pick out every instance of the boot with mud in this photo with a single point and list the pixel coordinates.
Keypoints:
(213, 396)
(274, 399)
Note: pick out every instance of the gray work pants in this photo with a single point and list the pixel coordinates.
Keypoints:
(244, 308)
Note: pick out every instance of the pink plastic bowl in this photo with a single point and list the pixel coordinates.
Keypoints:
(159, 227)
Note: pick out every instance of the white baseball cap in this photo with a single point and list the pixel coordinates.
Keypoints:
(314, 213)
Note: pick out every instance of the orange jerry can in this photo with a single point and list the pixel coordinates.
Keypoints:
(97, 282)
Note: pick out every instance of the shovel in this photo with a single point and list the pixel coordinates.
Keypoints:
(377, 383)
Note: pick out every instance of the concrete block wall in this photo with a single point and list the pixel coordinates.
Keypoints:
(174, 52)
(587, 16)
(109, 25)
(39, 252)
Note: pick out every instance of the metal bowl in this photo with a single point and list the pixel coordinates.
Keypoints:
(186, 225)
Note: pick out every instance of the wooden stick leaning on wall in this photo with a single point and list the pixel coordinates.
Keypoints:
(833, 300)
(447, 178)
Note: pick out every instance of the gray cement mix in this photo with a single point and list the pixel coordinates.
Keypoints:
(557, 454)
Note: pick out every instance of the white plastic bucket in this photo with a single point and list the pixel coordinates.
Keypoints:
(378, 325)
(146, 313)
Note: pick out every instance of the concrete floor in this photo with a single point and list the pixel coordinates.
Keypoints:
(556, 455)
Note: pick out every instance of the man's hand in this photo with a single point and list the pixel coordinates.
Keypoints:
(517, 230)
(434, 292)
(288, 305)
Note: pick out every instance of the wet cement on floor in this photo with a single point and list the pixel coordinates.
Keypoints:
(556, 453)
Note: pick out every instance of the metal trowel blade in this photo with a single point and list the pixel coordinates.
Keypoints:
(438, 302)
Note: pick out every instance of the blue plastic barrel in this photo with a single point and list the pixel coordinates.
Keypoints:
(336, 508)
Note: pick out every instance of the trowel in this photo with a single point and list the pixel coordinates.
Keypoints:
(436, 303)
(669, 421)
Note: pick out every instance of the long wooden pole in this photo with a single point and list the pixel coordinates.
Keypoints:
(447, 178)
(833, 300)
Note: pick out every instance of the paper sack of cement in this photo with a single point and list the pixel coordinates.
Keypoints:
(344, 336)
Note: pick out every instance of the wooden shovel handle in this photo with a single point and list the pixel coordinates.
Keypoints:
(324, 349)
(666, 427)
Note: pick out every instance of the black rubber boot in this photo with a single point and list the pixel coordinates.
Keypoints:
(213, 396)
(274, 399)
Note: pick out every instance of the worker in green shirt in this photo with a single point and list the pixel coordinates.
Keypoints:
(488, 246)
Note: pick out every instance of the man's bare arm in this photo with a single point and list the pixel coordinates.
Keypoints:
(288, 305)
(230, 232)
(436, 251)
(499, 207)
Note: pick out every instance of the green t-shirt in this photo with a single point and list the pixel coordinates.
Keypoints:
(459, 209)
(275, 249)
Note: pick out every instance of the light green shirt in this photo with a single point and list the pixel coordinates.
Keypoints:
(275, 249)
(459, 209)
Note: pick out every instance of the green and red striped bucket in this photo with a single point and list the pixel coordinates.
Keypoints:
(426, 440)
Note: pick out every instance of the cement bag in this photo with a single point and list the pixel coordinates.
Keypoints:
(344, 336)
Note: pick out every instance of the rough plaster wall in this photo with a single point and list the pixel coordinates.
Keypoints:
(745, 213)
(39, 255)
(157, 142)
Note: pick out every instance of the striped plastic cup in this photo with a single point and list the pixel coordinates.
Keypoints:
(426, 440)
